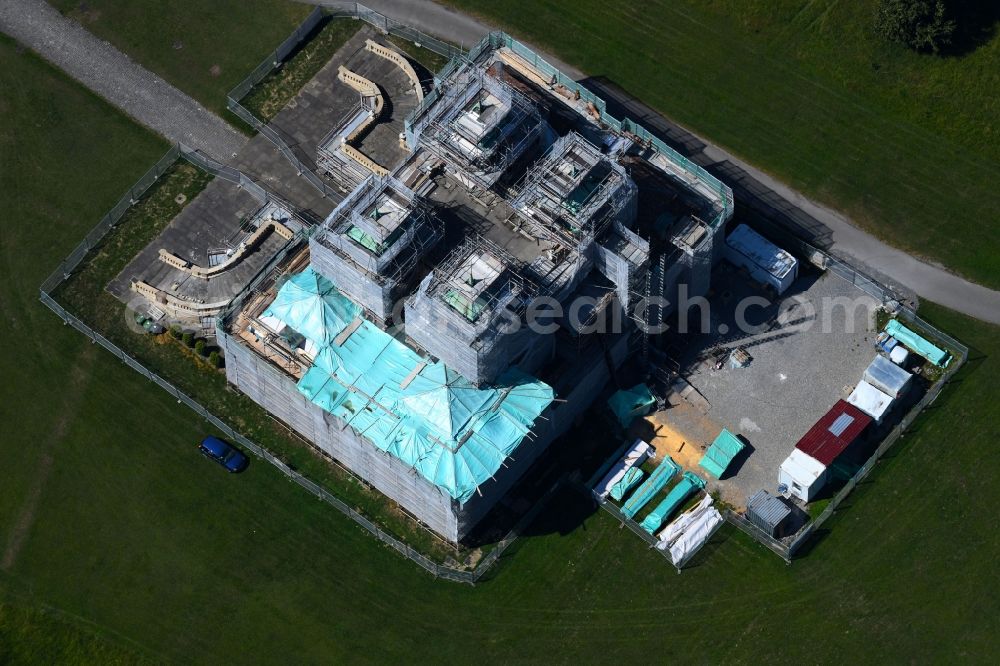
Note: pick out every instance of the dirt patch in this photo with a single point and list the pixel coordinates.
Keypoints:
(215, 70)
(683, 432)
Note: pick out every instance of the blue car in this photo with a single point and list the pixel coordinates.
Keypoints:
(226, 455)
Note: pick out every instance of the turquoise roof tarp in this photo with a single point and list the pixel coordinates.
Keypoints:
(918, 343)
(630, 403)
(313, 307)
(631, 479)
(659, 478)
(718, 457)
(452, 433)
(687, 485)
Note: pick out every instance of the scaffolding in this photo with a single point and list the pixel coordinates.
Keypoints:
(331, 157)
(371, 244)
(574, 192)
(462, 310)
(479, 125)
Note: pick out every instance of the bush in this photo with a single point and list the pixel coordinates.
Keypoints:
(175, 332)
(199, 347)
(188, 339)
(214, 359)
(921, 25)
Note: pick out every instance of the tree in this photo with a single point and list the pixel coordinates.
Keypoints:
(175, 332)
(199, 347)
(214, 359)
(922, 25)
(188, 339)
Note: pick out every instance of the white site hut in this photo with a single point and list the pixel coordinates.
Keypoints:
(767, 262)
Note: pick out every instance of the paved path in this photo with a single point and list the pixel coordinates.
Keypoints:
(843, 238)
(112, 75)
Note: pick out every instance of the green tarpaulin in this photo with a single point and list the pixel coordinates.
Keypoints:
(687, 485)
(632, 477)
(656, 481)
(721, 453)
(454, 434)
(312, 306)
(917, 343)
(630, 403)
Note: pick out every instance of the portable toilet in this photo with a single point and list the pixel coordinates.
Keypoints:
(803, 475)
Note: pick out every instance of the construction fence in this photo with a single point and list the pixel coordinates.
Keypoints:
(303, 164)
(787, 548)
(92, 241)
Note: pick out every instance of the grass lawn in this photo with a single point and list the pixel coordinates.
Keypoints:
(135, 545)
(269, 96)
(908, 145)
(432, 61)
(203, 48)
(85, 295)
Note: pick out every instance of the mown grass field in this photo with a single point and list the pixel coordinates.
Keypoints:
(118, 541)
(202, 48)
(907, 145)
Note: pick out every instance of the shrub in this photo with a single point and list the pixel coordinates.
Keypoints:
(214, 359)
(188, 338)
(199, 347)
(175, 332)
(922, 25)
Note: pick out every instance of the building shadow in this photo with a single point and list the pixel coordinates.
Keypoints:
(756, 202)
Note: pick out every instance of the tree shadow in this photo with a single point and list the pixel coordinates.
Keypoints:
(976, 24)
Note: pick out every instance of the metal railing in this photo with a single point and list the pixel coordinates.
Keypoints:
(287, 47)
(649, 539)
(91, 241)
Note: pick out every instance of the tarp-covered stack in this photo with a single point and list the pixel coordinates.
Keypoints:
(718, 457)
(918, 343)
(690, 531)
(656, 481)
(634, 456)
(627, 404)
(688, 484)
(871, 400)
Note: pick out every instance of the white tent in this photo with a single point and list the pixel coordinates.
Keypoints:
(870, 400)
(635, 455)
(802, 474)
(887, 377)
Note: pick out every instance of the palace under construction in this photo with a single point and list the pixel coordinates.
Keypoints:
(393, 335)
